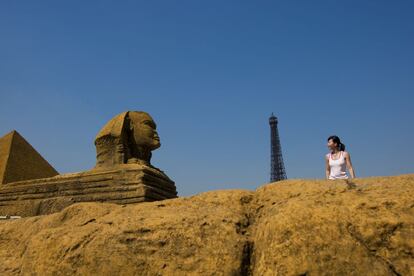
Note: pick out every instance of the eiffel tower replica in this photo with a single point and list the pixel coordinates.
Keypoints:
(277, 171)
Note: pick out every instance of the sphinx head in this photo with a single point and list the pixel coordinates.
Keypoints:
(127, 138)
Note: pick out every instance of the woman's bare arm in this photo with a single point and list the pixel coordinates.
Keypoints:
(327, 167)
(349, 164)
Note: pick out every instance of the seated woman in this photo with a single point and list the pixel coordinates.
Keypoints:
(338, 160)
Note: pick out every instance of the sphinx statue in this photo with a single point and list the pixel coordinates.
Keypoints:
(123, 172)
(128, 138)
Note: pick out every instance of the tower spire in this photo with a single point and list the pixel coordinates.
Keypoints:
(277, 168)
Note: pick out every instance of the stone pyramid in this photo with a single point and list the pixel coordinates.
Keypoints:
(20, 161)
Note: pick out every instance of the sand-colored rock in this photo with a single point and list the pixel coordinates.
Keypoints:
(294, 227)
(20, 161)
(174, 237)
(360, 227)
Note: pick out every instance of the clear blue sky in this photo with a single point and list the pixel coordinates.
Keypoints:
(211, 73)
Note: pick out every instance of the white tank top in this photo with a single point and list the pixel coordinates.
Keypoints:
(338, 167)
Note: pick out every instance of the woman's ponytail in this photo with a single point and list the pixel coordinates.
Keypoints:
(341, 147)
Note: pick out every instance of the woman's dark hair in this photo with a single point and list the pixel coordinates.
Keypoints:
(337, 141)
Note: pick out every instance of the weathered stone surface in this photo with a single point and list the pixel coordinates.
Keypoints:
(294, 227)
(123, 184)
(359, 227)
(188, 236)
(20, 161)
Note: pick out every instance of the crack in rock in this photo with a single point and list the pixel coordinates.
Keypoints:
(373, 252)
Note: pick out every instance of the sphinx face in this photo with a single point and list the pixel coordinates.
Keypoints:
(144, 130)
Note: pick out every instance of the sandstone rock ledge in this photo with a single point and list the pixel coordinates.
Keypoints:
(294, 227)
